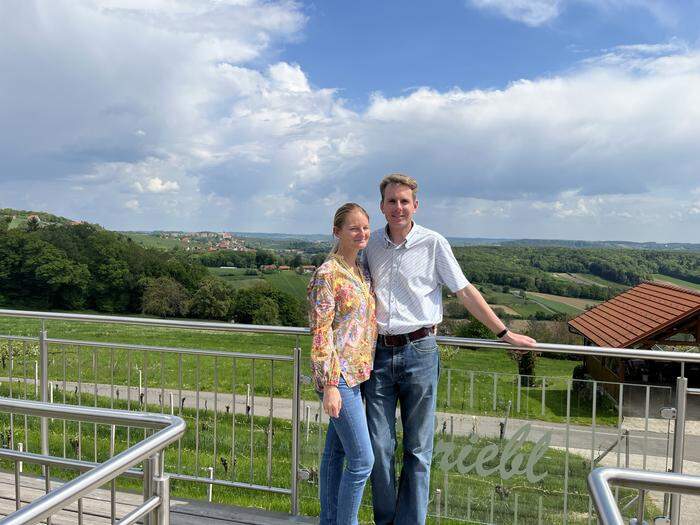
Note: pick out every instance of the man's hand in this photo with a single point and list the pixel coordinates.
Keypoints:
(332, 401)
(518, 339)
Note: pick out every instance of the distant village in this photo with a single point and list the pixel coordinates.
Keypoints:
(207, 241)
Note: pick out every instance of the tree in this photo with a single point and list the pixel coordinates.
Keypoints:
(296, 261)
(267, 312)
(165, 297)
(213, 300)
(5, 221)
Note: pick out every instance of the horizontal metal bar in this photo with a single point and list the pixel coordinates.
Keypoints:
(59, 462)
(19, 338)
(626, 353)
(87, 482)
(602, 351)
(85, 413)
(235, 484)
(601, 479)
(165, 323)
(148, 506)
(191, 351)
(693, 391)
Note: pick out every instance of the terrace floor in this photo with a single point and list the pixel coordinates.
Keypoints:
(96, 507)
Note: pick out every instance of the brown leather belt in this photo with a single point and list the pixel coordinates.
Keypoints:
(404, 339)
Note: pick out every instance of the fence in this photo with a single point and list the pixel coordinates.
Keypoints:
(254, 419)
(155, 506)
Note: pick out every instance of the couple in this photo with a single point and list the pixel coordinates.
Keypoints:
(404, 266)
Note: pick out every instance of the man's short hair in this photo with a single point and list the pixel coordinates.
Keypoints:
(398, 178)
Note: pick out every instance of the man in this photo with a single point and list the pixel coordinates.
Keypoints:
(409, 265)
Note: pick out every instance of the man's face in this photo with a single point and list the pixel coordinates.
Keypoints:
(398, 205)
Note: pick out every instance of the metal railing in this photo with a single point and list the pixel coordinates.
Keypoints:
(601, 480)
(155, 506)
(258, 430)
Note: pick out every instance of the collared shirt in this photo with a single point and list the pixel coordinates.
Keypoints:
(343, 324)
(408, 278)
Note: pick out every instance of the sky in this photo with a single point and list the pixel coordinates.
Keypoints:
(569, 119)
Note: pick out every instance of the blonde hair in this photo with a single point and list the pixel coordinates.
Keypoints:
(339, 219)
(398, 178)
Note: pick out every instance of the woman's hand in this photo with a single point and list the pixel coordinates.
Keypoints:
(331, 400)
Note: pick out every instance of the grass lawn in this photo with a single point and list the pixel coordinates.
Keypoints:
(477, 497)
(198, 372)
(677, 282)
(599, 280)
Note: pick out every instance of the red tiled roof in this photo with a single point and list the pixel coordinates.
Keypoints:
(637, 314)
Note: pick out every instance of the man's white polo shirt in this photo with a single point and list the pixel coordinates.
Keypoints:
(408, 278)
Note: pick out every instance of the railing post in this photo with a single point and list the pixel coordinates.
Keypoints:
(296, 402)
(678, 444)
(44, 390)
(150, 467)
(162, 489)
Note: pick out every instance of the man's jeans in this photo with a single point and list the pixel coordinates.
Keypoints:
(407, 374)
(347, 439)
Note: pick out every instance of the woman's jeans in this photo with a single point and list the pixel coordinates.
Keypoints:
(347, 440)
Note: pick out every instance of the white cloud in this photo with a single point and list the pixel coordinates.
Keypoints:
(530, 12)
(539, 12)
(225, 143)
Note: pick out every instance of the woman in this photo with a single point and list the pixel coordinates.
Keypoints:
(343, 327)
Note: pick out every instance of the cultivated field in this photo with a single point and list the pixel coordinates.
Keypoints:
(678, 282)
(575, 303)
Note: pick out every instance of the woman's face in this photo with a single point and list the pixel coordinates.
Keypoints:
(354, 233)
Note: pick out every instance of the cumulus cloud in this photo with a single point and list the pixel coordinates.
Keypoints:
(180, 111)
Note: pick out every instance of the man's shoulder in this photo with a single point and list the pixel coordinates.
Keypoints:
(426, 234)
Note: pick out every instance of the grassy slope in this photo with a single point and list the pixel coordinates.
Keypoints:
(677, 282)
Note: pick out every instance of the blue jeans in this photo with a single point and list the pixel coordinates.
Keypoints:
(408, 375)
(342, 485)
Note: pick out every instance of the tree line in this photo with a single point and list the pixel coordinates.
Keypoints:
(529, 268)
(85, 267)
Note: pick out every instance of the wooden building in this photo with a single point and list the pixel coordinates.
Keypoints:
(649, 315)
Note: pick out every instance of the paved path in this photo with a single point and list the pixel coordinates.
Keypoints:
(582, 437)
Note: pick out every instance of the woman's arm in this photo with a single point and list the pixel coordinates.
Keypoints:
(325, 364)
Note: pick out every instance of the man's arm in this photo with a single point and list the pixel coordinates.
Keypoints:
(473, 301)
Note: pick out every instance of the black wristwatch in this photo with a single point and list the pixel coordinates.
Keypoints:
(502, 333)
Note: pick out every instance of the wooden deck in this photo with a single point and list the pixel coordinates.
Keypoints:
(96, 507)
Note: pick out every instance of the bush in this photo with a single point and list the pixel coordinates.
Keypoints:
(213, 300)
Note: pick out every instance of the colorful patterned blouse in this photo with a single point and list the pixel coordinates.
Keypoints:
(343, 324)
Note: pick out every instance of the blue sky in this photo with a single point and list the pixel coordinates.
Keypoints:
(391, 46)
(520, 118)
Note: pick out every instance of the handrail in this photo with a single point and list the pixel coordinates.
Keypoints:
(171, 428)
(625, 353)
(601, 479)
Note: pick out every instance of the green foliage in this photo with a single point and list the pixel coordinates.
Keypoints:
(473, 330)
(262, 304)
(529, 268)
(213, 300)
(227, 258)
(165, 297)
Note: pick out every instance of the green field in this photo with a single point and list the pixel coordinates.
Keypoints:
(287, 281)
(524, 306)
(191, 372)
(556, 305)
(677, 282)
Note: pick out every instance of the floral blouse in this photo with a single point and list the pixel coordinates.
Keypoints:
(343, 324)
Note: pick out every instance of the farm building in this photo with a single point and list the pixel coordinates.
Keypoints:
(649, 315)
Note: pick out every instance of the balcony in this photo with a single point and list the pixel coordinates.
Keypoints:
(509, 449)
